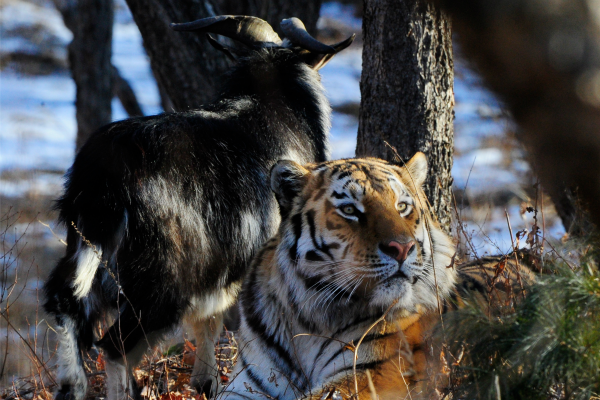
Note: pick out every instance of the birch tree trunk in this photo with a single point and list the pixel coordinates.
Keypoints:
(407, 91)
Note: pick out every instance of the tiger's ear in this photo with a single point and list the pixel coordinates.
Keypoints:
(417, 169)
(287, 180)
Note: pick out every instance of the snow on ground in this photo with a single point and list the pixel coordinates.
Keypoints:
(345, 13)
(47, 36)
(37, 113)
(37, 118)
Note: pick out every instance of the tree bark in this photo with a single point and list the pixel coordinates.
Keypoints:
(571, 212)
(89, 57)
(407, 91)
(183, 62)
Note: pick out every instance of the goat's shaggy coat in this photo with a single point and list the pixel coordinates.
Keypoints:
(164, 213)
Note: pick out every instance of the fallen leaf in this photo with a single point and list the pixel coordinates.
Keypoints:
(100, 362)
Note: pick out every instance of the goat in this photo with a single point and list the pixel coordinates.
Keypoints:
(163, 213)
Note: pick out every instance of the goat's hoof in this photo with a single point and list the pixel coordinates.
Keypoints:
(64, 393)
(206, 387)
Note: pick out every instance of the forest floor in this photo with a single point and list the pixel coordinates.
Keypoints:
(162, 375)
(493, 184)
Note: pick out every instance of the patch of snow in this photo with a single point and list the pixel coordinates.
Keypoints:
(46, 33)
(343, 136)
(488, 230)
(341, 77)
(39, 184)
(19, 14)
(37, 116)
(488, 171)
(345, 13)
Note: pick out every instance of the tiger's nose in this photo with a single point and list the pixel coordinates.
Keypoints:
(398, 251)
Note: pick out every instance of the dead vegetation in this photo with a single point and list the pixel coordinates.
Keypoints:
(160, 376)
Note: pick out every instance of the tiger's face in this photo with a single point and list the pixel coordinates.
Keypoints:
(360, 231)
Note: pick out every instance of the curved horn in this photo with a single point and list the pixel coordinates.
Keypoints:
(296, 32)
(251, 31)
(344, 43)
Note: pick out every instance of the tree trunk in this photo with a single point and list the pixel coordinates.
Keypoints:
(572, 213)
(120, 87)
(89, 57)
(407, 91)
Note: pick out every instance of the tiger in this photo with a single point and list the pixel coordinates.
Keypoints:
(358, 264)
(494, 283)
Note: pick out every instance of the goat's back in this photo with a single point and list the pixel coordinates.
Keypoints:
(165, 189)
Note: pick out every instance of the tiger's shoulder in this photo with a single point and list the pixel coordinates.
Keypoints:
(494, 281)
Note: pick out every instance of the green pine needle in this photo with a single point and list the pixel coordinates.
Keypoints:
(548, 348)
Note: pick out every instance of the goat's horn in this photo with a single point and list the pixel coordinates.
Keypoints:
(296, 32)
(251, 31)
(344, 43)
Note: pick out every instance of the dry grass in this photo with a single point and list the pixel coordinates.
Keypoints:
(160, 376)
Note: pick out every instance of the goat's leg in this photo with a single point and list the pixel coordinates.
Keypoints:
(70, 374)
(136, 330)
(120, 383)
(74, 326)
(205, 375)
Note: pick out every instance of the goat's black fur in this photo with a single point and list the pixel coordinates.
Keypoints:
(174, 206)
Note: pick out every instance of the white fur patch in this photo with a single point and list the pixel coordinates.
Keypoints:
(251, 229)
(87, 265)
(214, 303)
(70, 370)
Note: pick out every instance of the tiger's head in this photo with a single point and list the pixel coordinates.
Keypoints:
(359, 231)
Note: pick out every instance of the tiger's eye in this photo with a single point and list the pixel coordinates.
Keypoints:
(402, 207)
(348, 209)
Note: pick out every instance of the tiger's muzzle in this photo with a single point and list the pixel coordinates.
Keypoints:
(398, 251)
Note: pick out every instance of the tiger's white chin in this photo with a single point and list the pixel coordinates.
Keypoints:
(406, 295)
